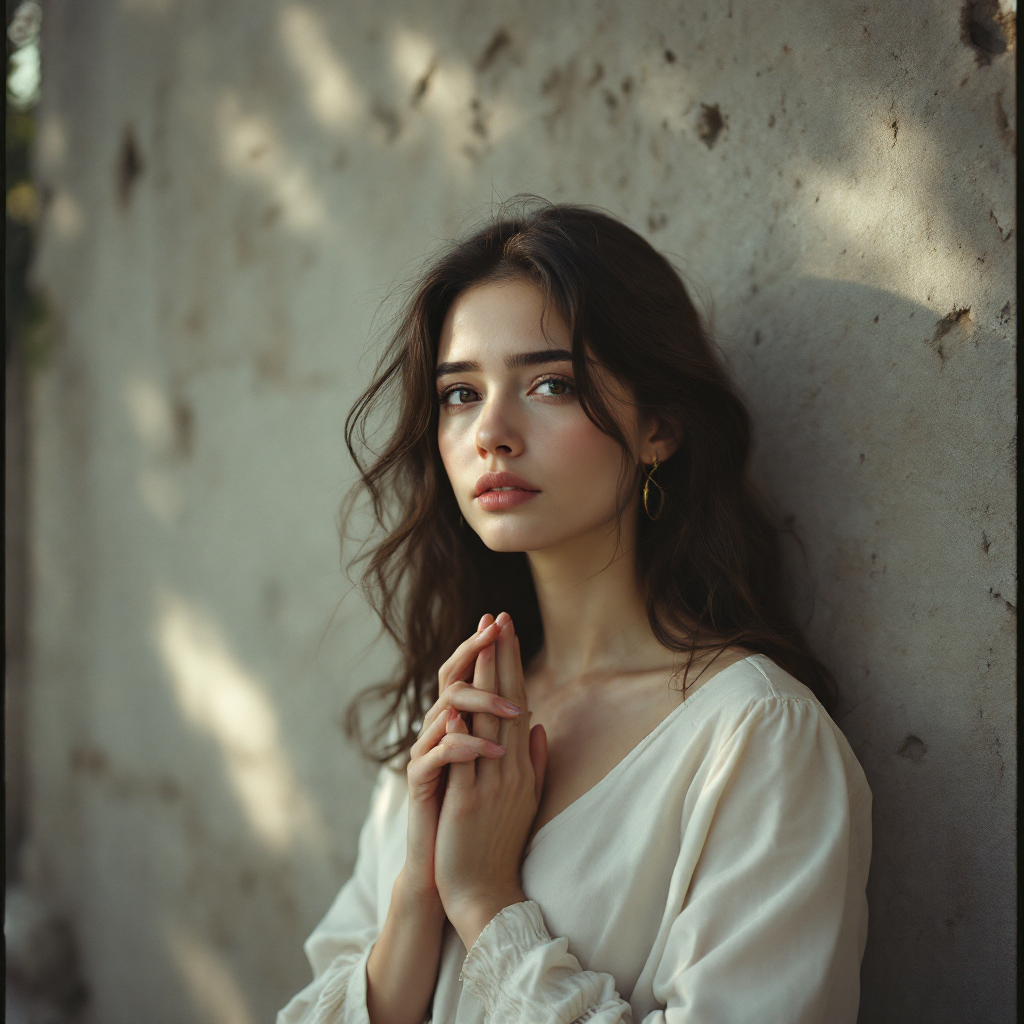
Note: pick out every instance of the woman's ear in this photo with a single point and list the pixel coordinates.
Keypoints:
(659, 439)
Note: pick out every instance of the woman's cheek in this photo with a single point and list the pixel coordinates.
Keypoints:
(578, 458)
(457, 448)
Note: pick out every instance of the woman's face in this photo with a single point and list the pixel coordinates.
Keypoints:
(529, 469)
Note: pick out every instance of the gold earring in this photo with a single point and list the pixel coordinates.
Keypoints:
(648, 480)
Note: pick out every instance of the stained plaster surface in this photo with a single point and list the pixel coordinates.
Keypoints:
(234, 188)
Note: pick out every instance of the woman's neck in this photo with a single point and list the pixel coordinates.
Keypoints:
(594, 617)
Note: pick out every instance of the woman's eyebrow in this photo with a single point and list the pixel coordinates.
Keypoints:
(544, 355)
(464, 366)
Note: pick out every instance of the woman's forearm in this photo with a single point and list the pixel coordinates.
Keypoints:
(402, 969)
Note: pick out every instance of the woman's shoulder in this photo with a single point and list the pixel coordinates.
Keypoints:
(747, 682)
(760, 702)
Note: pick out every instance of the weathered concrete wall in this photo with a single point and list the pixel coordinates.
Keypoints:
(234, 187)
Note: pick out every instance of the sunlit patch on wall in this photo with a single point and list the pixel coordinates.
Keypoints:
(152, 417)
(222, 699)
(251, 150)
(208, 979)
(851, 235)
(150, 412)
(65, 216)
(333, 97)
(447, 101)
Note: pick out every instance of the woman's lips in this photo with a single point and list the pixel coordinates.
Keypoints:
(497, 492)
(504, 499)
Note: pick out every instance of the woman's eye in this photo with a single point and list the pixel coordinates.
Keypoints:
(555, 387)
(458, 396)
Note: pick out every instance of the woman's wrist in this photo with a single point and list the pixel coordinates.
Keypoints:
(416, 897)
(471, 916)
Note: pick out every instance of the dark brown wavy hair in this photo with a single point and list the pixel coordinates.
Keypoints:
(709, 568)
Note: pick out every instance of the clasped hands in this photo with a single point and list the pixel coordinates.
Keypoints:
(467, 835)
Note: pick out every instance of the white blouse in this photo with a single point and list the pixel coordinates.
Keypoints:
(714, 876)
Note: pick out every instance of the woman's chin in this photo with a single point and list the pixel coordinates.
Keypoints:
(511, 536)
(506, 534)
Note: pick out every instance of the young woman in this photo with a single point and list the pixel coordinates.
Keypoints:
(609, 773)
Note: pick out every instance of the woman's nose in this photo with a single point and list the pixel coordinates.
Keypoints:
(496, 431)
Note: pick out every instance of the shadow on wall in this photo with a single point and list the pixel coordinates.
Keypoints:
(872, 413)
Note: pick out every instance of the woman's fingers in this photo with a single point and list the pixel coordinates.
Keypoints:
(430, 735)
(463, 773)
(511, 685)
(455, 748)
(510, 676)
(485, 681)
(458, 666)
(463, 697)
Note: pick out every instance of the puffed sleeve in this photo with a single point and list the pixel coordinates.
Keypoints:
(773, 923)
(340, 944)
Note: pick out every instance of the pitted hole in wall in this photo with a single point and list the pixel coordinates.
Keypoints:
(913, 748)
(987, 30)
(670, 57)
(1004, 314)
(478, 124)
(122, 785)
(656, 221)
(999, 227)
(996, 596)
(387, 120)
(1006, 132)
(421, 87)
(499, 46)
(129, 167)
(710, 123)
(986, 544)
(559, 88)
(183, 419)
(951, 332)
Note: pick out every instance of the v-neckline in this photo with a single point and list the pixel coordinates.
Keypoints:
(629, 758)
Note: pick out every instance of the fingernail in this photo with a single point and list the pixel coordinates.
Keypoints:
(502, 618)
(496, 747)
(507, 705)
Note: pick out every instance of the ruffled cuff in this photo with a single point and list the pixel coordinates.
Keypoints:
(500, 948)
(521, 975)
(338, 996)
